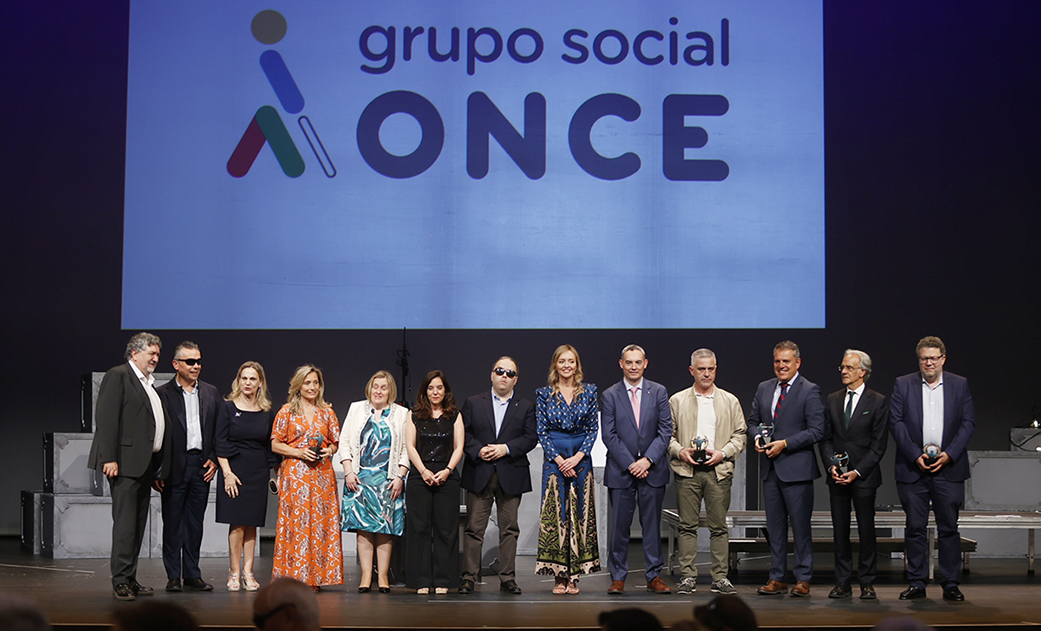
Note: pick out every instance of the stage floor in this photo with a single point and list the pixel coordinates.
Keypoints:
(77, 594)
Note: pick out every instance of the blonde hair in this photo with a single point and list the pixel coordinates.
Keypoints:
(554, 377)
(263, 398)
(392, 396)
(297, 382)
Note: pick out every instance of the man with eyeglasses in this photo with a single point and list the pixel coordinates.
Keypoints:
(856, 419)
(932, 419)
(792, 406)
(192, 405)
(286, 604)
(707, 411)
(131, 448)
(500, 431)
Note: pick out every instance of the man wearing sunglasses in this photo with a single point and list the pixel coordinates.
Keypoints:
(500, 431)
(931, 410)
(192, 405)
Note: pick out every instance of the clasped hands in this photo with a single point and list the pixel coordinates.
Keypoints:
(771, 449)
(489, 453)
(715, 456)
(941, 461)
(435, 479)
(307, 455)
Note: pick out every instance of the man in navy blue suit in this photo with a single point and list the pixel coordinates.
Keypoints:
(931, 410)
(788, 465)
(636, 422)
(192, 405)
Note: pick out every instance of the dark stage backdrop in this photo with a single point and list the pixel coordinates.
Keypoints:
(932, 198)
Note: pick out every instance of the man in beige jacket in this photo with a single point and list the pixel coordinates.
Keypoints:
(704, 471)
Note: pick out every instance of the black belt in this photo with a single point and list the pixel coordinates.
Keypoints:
(194, 452)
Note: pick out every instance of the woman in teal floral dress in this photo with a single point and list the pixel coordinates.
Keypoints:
(566, 412)
(372, 451)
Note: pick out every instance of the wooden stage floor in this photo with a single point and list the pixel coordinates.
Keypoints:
(76, 594)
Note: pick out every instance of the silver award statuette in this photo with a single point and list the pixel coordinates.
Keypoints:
(315, 444)
(932, 454)
(766, 434)
(840, 462)
(699, 444)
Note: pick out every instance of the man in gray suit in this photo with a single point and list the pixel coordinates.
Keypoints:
(129, 449)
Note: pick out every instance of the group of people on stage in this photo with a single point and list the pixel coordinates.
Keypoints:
(180, 436)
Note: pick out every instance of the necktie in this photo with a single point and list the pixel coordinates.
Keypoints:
(780, 400)
(636, 405)
(849, 408)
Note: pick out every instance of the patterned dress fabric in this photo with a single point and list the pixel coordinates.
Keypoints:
(567, 525)
(370, 508)
(307, 538)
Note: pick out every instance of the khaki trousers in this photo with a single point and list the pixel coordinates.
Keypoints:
(716, 494)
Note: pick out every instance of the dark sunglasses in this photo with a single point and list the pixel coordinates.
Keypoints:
(260, 619)
(191, 361)
(503, 371)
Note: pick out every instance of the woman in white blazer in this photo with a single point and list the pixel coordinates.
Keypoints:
(372, 452)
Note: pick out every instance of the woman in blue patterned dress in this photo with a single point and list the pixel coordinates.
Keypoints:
(372, 451)
(567, 413)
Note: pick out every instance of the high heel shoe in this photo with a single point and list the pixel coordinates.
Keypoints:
(384, 590)
(233, 582)
(249, 582)
(441, 590)
(364, 589)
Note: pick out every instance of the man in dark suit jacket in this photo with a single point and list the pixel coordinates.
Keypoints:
(131, 447)
(856, 419)
(788, 465)
(932, 409)
(500, 431)
(192, 405)
(636, 423)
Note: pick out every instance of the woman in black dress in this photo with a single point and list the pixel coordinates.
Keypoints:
(244, 453)
(434, 440)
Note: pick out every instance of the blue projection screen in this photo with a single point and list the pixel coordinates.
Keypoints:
(538, 164)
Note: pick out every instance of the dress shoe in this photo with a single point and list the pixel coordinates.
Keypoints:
(141, 590)
(840, 591)
(124, 592)
(196, 585)
(801, 588)
(466, 586)
(867, 592)
(951, 592)
(510, 587)
(617, 588)
(173, 585)
(912, 592)
(772, 588)
(658, 586)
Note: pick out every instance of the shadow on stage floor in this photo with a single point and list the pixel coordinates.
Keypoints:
(76, 594)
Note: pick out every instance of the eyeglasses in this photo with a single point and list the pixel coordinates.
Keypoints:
(191, 361)
(504, 371)
(930, 360)
(845, 367)
(260, 619)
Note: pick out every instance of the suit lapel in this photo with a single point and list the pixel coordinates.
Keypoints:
(142, 395)
(789, 397)
(511, 407)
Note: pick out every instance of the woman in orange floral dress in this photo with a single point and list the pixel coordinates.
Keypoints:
(307, 433)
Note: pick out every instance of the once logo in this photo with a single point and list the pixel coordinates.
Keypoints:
(269, 27)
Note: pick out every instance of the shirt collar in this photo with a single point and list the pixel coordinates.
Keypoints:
(629, 387)
(150, 379)
(710, 395)
(500, 399)
(859, 390)
(791, 381)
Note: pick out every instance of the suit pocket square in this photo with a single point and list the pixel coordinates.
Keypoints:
(866, 412)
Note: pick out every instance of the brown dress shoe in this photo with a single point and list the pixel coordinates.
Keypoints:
(658, 586)
(772, 588)
(616, 588)
(802, 588)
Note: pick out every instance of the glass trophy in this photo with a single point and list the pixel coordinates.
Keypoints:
(699, 444)
(315, 444)
(766, 434)
(932, 454)
(841, 463)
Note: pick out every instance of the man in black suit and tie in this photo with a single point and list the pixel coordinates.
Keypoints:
(856, 420)
(788, 465)
(131, 447)
(500, 431)
(192, 405)
(931, 410)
